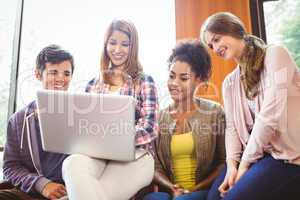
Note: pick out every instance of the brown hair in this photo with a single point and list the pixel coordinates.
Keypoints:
(252, 60)
(53, 54)
(132, 67)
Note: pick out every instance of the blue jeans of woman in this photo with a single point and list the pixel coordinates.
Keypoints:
(267, 179)
(199, 195)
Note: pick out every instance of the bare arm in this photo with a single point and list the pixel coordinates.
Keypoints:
(207, 182)
(163, 180)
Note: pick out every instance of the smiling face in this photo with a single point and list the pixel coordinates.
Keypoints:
(55, 76)
(118, 48)
(225, 46)
(182, 81)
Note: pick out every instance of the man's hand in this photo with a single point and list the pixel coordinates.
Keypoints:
(54, 190)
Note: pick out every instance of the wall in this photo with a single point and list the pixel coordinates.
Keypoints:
(190, 14)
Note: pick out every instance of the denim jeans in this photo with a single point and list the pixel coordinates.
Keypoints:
(267, 179)
(199, 195)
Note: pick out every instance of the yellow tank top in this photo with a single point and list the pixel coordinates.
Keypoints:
(183, 159)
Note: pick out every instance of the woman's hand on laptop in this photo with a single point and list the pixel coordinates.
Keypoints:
(54, 190)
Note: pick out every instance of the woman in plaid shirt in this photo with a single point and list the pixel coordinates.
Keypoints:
(121, 73)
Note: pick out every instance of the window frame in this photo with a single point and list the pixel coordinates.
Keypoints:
(13, 86)
(11, 106)
(258, 18)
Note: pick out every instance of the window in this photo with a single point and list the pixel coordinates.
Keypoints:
(282, 21)
(79, 26)
(7, 29)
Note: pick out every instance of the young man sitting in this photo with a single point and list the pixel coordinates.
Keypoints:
(34, 172)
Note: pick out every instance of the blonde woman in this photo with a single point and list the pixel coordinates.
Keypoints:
(262, 116)
(120, 73)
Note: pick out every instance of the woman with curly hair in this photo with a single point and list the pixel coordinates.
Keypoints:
(190, 148)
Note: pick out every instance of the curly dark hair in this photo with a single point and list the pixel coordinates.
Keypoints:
(195, 54)
(53, 54)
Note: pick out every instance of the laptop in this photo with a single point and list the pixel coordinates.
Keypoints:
(98, 125)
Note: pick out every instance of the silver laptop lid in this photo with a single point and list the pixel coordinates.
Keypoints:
(97, 125)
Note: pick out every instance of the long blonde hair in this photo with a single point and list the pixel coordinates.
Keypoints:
(132, 66)
(252, 60)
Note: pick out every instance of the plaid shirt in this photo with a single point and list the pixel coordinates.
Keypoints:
(146, 114)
